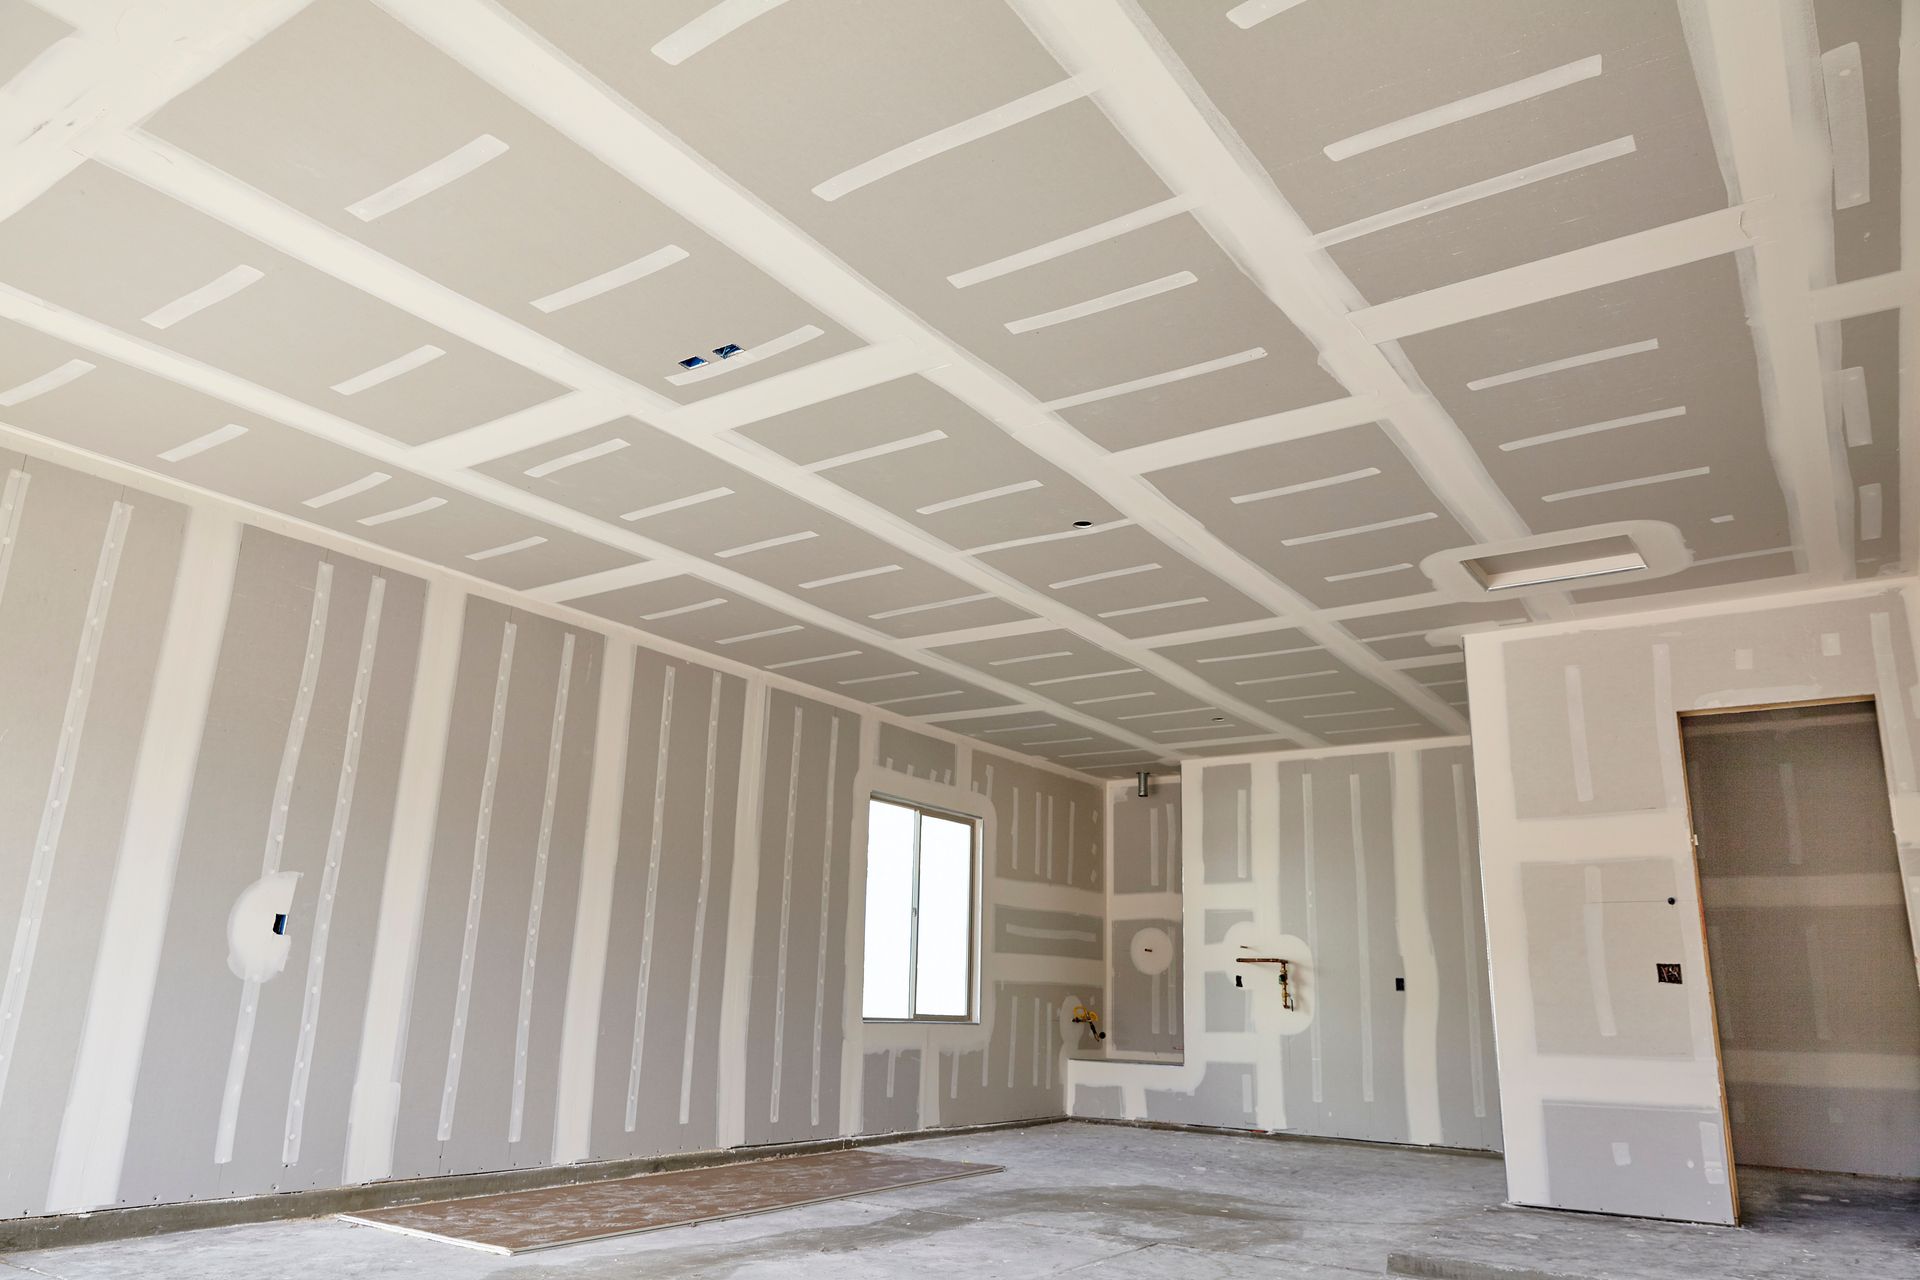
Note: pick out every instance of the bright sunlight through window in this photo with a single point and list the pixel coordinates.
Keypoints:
(920, 890)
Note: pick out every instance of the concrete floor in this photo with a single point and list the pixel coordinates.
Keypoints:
(1080, 1199)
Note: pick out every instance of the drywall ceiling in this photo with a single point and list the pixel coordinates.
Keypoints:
(1107, 370)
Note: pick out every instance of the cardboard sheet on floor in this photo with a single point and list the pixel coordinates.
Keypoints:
(520, 1221)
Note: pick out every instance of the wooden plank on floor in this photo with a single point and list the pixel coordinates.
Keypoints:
(520, 1221)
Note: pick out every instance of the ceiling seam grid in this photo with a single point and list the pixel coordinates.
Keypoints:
(182, 178)
(497, 48)
(887, 358)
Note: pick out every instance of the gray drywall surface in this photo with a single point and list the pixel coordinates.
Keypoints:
(63, 549)
(279, 1078)
(657, 1056)
(510, 729)
(1586, 839)
(248, 1072)
(1307, 857)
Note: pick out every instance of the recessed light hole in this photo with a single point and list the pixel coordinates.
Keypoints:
(693, 362)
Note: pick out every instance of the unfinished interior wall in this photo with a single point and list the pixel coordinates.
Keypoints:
(1042, 913)
(314, 870)
(1814, 991)
(1359, 867)
(1609, 1083)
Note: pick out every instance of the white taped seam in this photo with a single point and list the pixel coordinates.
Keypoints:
(1499, 184)
(702, 902)
(662, 757)
(1105, 302)
(371, 480)
(1251, 13)
(477, 883)
(1562, 365)
(52, 380)
(715, 23)
(1594, 926)
(1856, 411)
(827, 846)
(1578, 751)
(451, 167)
(213, 292)
(403, 513)
(678, 504)
(985, 495)
(1157, 379)
(417, 358)
(608, 281)
(752, 355)
(1638, 482)
(1305, 486)
(200, 444)
(523, 1026)
(541, 470)
(1467, 108)
(877, 451)
(1059, 248)
(13, 507)
(593, 909)
(1472, 951)
(1871, 512)
(1363, 932)
(1594, 428)
(1845, 88)
(984, 125)
(786, 917)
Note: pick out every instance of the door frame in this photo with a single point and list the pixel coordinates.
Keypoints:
(1700, 899)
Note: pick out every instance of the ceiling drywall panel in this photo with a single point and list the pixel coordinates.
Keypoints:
(1638, 385)
(966, 251)
(25, 33)
(1552, 180)
(342, 103)
(1342, 517)
(112, 250)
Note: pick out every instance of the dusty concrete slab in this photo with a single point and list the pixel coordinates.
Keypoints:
(1121, 1202)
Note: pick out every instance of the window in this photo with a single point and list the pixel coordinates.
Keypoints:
(920, 909)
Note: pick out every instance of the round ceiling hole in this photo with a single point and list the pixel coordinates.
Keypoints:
(1083, 524)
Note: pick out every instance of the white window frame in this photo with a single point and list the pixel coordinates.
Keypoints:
(976, 825)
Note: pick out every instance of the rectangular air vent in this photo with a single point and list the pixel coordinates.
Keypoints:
(1563, 563)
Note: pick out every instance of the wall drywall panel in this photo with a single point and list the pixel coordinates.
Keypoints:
(1360, 869)
(799, 957)
(658, 1054)
(86, 574)
(245, 1081)
(1588, 834)
(354, 976)
(482, 1048)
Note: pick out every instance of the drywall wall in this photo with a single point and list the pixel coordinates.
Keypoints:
(317, 870)
(1609, 1080)
(1359, 867)
(1813, 982)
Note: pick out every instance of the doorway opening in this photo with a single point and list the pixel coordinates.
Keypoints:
(1810, 950)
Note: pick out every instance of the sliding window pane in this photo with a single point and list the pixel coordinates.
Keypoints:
(889, 961)
(946, 917)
